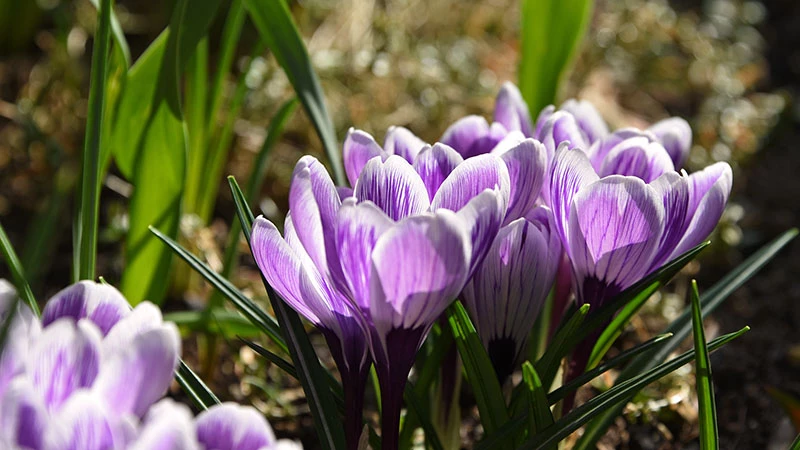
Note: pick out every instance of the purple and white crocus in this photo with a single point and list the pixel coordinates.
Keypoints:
(90, 374)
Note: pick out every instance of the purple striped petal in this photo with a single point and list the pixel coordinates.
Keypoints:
(23, 417)
(469, 179)
(139, 365)
(526, 163)
(561, 127)
(674, 192)
(102, 304)
(435, 164)
(394, 186)
(676, 136)
(66, 357)
(482, 216)
(229, 426)
(465, 133)
(615, 227)
(709, 190)
(511, 111)
(589, 120)
(23, 332)
(84, 424)
(544, 115)
(637, 157)
(571, 172)
(168, 426)
(358, 148)
(401, 141)
(600, 149)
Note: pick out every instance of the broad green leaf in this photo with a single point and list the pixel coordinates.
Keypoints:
(709, 434)
(17, 273)
(615, 396)
(551, 31)
(478, 368)
(311, 374)
(274, 21)
(547, 366)
(194, 387)
(222, 321)
(197, 126)
(88, 206)
(681, 327)
(539, 413)
(247, 307)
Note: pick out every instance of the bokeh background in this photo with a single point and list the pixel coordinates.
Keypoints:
(730, 67)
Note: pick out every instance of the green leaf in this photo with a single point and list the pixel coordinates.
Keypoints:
(415, 406)
(274, 21)
(615, 396)
(118, 34)
(681, 328)
(549, 363)
(709, 434)
(4, 330)
(311, 374)
(88, 206)
(247, 307)
(17, 273)
(478, 368)
(231, 33)
(550, 33)
(539, 412)
(222, 321)
(795, 444)
(283, 364)
(194, 387)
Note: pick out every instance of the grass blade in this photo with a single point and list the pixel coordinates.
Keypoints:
(550, 33)
(681, 328)
(311, 374)
(795, 444)
(225, 322)
(274, 21)
(118, 34)
(88, 206)
(17, 272)
(549, 363)
(478, 368)
(283, 364)
(539, 412)
(709, 434)
(194, 387)
(615, 396)
(231, 33)
(415, 406)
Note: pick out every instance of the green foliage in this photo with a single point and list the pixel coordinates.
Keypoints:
(709, 434)
(17, 272)
(539, 413)
(194, 387)
(551, 31)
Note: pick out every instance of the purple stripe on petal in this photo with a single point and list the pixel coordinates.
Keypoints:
(471, 178)
(589, 120)
(615, 227)
(401, 141)
(464, 133)
(168, 426)
(434, 165)
(544, 115)
(674, 191)
(511, 110)
(637, 157)
(66, 357)
(229, 426)
(562, 127)
(358, 148)
(101, 303)
(23, 417)
(676, 136)
(394, 186)
(482, 216)
(83, 424)
(571, 172)
(600, 149)
(526, 163)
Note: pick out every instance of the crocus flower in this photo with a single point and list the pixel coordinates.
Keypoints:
(395, 255)
(507, 292)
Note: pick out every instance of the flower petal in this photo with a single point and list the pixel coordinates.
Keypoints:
(482, 216)
(676, 136)
(589, 120)
(229, 426)
(464, 133)
(469, 179)
(615, 228)
(571, 172)
(66, 357)
(600, 149)
(401, 141)
(84, 424)
(394, 186)
(23, 417)
(709, 190)
(102, 304)
(168, 426)
(637, 157)
(358, 148)
(544, 115)
(526, 164)
(674, 192)
(561, 127)
(511, 110)
(434, 165)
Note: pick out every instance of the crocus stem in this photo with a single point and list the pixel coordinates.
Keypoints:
(392, 403)
(353, 387)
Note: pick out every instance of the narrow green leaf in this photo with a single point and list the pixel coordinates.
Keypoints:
(231, 33)
(194, 387)
(247, 307)
(550, 33)
(549, 363)
(88, 206)
(539, 412)
(229, 323)
(681, 328)
(709, 434)
(311, 374)
(17, 272)
(118, 34)
(283, 364)
(196, 126)
(615, 396)
(584, 378)
(478, 368)
(795, 444)
(415, 406)
(274, 21)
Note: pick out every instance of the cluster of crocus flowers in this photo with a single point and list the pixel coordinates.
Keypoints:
(488, 214)
(91, 374)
